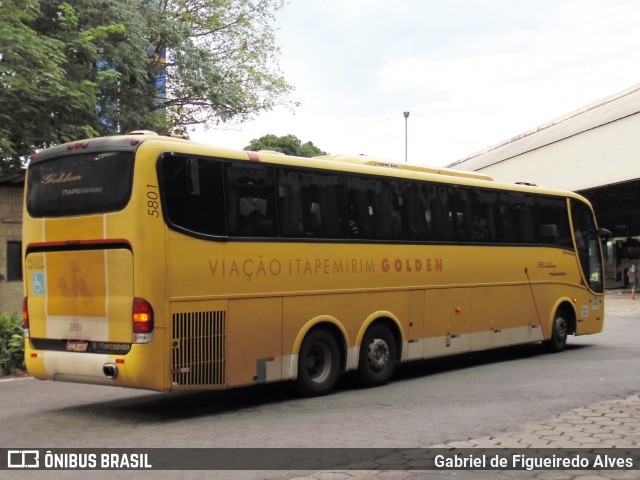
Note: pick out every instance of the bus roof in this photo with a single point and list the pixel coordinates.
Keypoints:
(133, 140)
(362, 160)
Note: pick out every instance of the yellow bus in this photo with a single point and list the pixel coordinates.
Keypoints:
(158, 263)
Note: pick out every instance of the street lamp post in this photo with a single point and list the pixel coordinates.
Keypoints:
(406, 116)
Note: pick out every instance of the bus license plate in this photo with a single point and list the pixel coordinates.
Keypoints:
(77, 345)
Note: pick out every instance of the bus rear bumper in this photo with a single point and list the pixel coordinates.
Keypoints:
(142, 367)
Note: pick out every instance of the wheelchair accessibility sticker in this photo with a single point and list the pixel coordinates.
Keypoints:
(37, 283)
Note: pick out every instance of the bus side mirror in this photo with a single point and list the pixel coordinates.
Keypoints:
(603, 233)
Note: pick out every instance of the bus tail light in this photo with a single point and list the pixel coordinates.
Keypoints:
(143, 321)
(25, 317)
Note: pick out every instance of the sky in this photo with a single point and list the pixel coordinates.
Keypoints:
(471, 73)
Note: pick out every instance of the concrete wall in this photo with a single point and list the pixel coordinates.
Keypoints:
(10, 230)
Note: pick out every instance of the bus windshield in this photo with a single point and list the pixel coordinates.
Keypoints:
(588, 245)
(80, 184)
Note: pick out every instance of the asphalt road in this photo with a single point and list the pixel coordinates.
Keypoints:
(427, 403)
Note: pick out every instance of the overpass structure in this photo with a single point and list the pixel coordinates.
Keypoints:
(594, 151)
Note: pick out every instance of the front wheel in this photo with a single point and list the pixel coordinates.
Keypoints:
(559, 333)
(377, 356)
(318, 363)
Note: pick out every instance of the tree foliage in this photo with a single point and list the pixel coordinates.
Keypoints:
(82, 68)
(40, 103)
(11, 343)
(287, 144)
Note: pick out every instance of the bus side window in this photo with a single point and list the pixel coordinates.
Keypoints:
(524, 219)
(503, 219)
(193, 195)
(399, 224)
(438, 212)
(311, 204)
(290, 205)
(462, 214)
(250, 201)
(483, 210)
(554, 221)
(417, 212)
(371, 208)
(361, 210)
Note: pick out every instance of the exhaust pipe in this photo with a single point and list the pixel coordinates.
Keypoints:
(110, 371)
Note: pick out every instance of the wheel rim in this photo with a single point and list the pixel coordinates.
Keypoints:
(318, 363)
(378, 354)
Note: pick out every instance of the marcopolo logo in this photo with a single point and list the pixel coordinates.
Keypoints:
(23, 459)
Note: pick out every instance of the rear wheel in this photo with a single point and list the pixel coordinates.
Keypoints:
(559, 333)
(318, 363)
(377, 356)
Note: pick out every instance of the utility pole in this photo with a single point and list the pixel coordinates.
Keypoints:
(406, 116)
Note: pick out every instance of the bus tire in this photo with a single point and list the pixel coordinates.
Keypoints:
(377, 360)
(318, 363)
(559, 333)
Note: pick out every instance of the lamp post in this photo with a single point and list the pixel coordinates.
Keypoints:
(406, 116)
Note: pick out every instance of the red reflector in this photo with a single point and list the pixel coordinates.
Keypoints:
(25, 313)
(134, 142)
(142, 316)
(34, 355)
(119, 360)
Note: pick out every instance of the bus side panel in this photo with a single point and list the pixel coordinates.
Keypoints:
(587, 307)
(254, 341)
(297, 312)
(447, 327)
(415, 328)
(492, 317)
(527, 312)
(591, 314)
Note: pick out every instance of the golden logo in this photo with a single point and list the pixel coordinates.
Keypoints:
(64, 177)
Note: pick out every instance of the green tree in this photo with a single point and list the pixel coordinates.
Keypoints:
(83, 68)
(39, 103)
(287, 144)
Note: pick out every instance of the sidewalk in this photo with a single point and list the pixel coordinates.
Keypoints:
(609, 424)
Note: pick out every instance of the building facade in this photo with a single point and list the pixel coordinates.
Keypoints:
(594, 151)
(11, 198)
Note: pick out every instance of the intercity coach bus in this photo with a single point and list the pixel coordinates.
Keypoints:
(159, 263)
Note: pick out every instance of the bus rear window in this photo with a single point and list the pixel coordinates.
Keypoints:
(81, 184)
